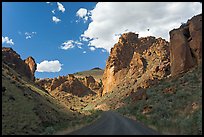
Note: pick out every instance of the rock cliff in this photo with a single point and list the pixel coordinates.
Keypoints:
(186, 45)
(24, 67)
(136, 59)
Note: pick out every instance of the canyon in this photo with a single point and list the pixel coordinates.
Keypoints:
(136, 67)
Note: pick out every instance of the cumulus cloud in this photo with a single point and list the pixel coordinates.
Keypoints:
(148, 18)
(83, 14)
(84, 52)
(71, 44)
(29, 35)
(7, 40)
(55, 19)
(49, 66)
(60, 7)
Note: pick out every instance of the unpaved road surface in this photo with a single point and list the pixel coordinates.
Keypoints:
(112, 123)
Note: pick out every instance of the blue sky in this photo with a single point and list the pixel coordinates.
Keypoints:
(22, 18)
(67, 37)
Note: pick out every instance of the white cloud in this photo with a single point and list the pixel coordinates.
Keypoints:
(83, 38)
(29, 35)
(79, 47)
(49, 3)
(67, 45)
(55, 19)
(60, 7)
(84, 52)
(49, 66)
(92, 48)
(77, 21)
(53, 11)
(110, 18)
(83, 14)
(71, 44)
(78, 43)
(7, 40)
(85, 18)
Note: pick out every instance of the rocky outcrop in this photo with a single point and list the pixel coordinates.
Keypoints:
(69, 84)
(74, 86)
(186, 45)
(136, 59)
(90, 82)
(12, 59)
(32, 65)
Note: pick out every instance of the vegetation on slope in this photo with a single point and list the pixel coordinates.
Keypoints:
(174, 105)
(96, 73)
(28, 110)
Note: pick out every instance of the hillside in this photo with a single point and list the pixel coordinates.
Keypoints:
(97, 73)
(28, 109)
(174, 105)
(31, 109)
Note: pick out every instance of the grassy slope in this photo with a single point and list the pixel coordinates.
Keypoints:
(26, 109)
(174, 105)
(176, 112)
(96, 73)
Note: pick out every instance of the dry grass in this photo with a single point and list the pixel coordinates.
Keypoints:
(176, 105)
(97, 74)
(28, 110)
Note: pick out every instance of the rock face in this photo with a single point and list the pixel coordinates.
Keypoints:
(186, 45)
(32, 65)
(90, 82)
(136, 59)
(26, 68)
(70, 84)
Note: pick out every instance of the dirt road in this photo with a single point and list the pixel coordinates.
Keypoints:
(112, 123)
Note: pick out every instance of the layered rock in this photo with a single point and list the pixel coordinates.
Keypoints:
(186, 45)
(12, 59)
(70, 84)
(136, 59)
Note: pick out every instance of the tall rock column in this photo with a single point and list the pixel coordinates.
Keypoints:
(32, 66)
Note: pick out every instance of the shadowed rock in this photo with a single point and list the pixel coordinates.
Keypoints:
(12, 59)
(186, 45)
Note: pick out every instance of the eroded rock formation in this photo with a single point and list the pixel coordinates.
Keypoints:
(186, 45)
(70, 84)
(32, 65)
(136, 59)
(91, 83)
(26, 68)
